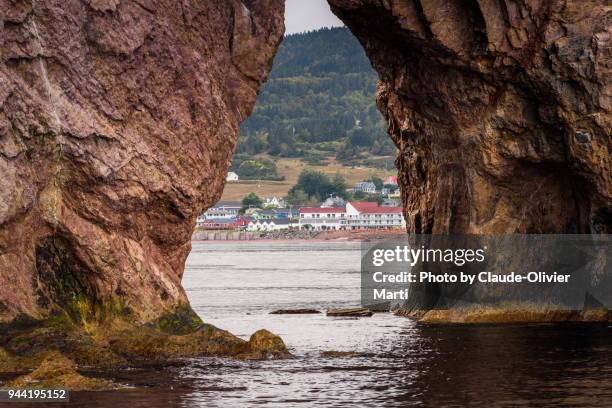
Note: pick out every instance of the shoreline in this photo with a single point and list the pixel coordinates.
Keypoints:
(296, 235)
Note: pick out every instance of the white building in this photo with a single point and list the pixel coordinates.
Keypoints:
(367, 215)
(322, 218)
(272, 224)
(333, 202)
(231, 176)
(222, 210)
(395, 194)
(277, 202)
(365, 186)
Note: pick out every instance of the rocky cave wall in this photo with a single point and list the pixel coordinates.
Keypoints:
(117, 123)
(500, 110)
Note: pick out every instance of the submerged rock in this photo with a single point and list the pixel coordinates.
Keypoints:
(295, 311)
(344, 354)
(350, 312)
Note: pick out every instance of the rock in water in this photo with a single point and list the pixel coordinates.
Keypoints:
(500, 110)
(295, 311)
(57, 371)
(117, 124)
(263, 345)
(350, 312)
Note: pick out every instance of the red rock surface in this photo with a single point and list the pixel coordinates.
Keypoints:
(500, 109)
(117, 122)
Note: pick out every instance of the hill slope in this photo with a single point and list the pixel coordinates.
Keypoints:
(319, 101)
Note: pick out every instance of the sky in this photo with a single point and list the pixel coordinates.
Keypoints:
(306, 15)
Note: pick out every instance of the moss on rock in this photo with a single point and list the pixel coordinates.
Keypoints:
(58, 371)
(506, 316)
(207, 340)
(54, 347)
(58, 333)
(263, 345)
(182, 321)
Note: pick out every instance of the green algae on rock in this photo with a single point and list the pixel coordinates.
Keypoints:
(182, 321)
(34, 345)
(55, 372)
(263, 345)
(506, 316)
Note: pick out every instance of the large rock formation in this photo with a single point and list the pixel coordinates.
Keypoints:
(500, 110)
(117, 122)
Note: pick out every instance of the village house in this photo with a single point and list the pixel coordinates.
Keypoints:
(390, 202)
(395, 194)
(365, 187)
(223, 224)
(272, 224)
(369, 215)
(275, 213)
(231, 176)
(287, 213)
(222, 210)
(333, 202)
(318, 218)
(276, 202)
(392, 180)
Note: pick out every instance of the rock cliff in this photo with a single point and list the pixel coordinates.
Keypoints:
(117, 123)
(500, 110)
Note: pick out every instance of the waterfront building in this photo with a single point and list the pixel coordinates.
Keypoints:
(369, 215)
(318, 218)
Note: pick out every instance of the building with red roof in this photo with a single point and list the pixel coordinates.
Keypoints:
(356, 215)
(368, 215)
(391, 180)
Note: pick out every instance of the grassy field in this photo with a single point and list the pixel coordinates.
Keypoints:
(291, 169)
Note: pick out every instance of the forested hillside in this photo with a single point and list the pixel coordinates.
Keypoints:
(318, 102)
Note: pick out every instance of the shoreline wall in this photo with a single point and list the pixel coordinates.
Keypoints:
(224, 236)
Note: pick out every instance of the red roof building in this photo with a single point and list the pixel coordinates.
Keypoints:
(368, 215)
(391, 180)
(319, 210)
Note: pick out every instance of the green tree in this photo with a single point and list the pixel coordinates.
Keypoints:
(253, 169)
(319, 186)
(359, 196)
(360, 138)
(391, 187)
(320, 90)
(297, 197)
(314, 183)
(377, 182)
(339, 186)
(251, 200)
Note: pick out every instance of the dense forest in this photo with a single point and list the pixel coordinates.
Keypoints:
(318, 102)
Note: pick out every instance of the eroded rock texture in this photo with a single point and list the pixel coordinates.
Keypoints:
(500, 109)
(117, 123)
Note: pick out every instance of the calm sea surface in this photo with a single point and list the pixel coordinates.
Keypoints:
(235, 285)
